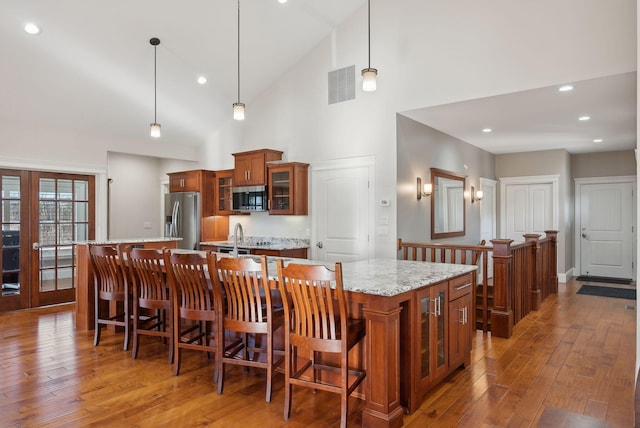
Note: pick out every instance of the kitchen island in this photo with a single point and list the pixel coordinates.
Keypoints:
(417, 328)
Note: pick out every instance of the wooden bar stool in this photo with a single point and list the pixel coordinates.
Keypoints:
(242, 285)
(318, 322)
(194, 302)
(111, 285)
(151, 292)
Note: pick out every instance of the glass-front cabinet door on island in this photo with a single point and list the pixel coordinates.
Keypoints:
(432, 333)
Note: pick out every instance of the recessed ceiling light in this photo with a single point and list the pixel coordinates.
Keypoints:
(282, 1)
(202, 80)
(598, 140)
(32, 28)
(565, 88)
(487, 130)
(584, 118)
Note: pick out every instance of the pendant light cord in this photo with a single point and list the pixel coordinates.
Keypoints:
(238, 51)
(155, 85)
(369, 28)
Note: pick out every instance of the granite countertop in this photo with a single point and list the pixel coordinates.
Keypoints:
(279, 245)
(390, 277)
(127, 241)
(382, 277)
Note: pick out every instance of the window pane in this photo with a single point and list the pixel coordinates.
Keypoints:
(47, 257)
(82, 211)
(47, 188)
(47, 280)
(47, 234)
(11, 235)
(65, 189)
(47, 211)
(10, 211)
(10, 187)
(64, 211)
(65, 256)
(10, 283)
(65, 233)
(82, 190)
(65, 278)
(82, 233)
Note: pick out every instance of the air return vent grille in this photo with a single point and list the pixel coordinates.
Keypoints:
(342, 84)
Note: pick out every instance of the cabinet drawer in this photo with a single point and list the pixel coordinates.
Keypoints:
(460, 286)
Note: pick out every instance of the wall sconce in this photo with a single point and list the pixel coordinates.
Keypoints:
(423, 190)
(476, 195)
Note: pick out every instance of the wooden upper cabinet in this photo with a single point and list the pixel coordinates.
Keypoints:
(197, 180)
(223, 192)
(288, 188)
(250, 169)
(185, 181)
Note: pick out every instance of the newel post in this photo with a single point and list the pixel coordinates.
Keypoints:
(502, 313)
(553, 259)
(536, 270)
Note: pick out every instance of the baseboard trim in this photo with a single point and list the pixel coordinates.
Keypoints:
(564, 277)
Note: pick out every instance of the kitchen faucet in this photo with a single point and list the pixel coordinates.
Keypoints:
(237, 227)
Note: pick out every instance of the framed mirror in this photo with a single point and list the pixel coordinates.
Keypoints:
(447, 204)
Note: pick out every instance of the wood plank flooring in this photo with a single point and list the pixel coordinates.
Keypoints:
(575, 356)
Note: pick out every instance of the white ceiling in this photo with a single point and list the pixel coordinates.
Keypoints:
(92, 65)
(92, 68)
(544, 118)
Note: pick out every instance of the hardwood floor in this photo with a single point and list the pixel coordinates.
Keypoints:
(576, 355)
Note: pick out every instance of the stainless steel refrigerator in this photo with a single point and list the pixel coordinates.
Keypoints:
(182, 218)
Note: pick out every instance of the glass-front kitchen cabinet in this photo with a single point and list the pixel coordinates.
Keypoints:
(288, 188)
(224, 192)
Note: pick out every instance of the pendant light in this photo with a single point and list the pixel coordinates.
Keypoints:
(238, 108)
(155, 126)
(369, 74)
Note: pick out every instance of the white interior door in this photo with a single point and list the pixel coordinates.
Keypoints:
(341, 206)
(606, 229)
(529, 208)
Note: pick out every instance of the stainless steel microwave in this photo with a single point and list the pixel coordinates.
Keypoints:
(250, 198)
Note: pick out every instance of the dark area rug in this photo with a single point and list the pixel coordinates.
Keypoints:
(598, 290)
(604, 279)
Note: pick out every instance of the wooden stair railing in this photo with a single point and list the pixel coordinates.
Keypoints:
(524, 275)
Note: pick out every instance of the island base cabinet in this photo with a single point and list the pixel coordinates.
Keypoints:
(460, 331)
(441, 335)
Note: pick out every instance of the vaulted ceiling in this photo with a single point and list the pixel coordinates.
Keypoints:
(92, 68)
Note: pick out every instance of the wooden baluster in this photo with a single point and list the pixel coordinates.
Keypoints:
(553, 254)
(536, 272)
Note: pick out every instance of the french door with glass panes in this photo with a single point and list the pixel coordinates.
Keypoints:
(42, 214)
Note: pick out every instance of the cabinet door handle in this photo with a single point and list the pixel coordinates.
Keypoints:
(461, 320)
(436, 306)
(463, 286)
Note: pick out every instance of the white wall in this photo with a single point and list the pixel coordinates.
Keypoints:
(421, 148)
(637, 16)
(135, 196)
(430, 52)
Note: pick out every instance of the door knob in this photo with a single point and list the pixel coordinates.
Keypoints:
(319, 244)
(584, 235)
(35, 245)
